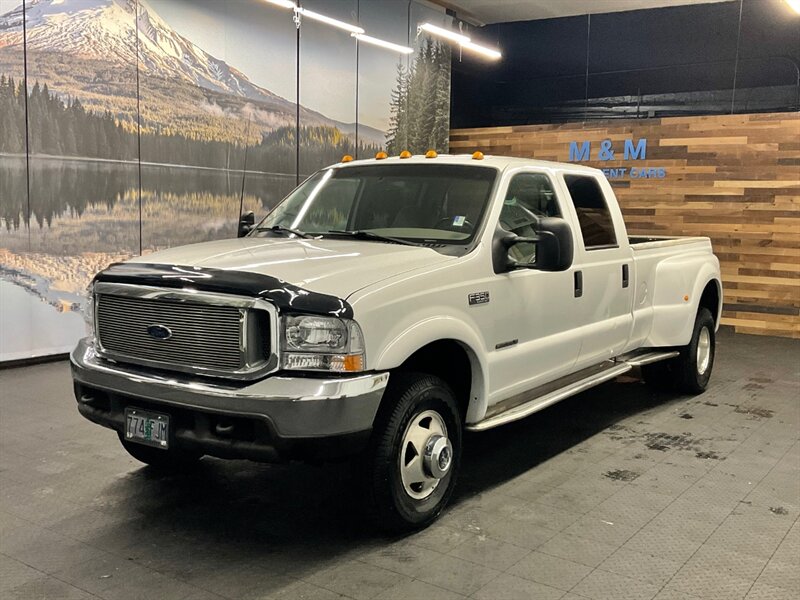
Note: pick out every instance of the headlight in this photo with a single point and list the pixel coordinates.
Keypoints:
(88, 310)
(312, 343)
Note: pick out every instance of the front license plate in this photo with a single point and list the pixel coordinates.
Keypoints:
(147, 427)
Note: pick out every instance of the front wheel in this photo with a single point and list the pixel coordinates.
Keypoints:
(414, 454)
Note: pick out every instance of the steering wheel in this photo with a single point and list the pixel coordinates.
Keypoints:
(466, 226)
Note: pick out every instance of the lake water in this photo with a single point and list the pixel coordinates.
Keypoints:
(31, 327)
(76, 216)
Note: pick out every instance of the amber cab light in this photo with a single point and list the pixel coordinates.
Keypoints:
(405, 154)
(347, 158)
(431, 154)
(381, 155)
(477, 155)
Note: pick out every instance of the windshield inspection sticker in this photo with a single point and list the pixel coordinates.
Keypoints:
(459, 221)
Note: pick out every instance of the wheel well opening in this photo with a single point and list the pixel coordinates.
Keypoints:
(710, 299)
(448, 360)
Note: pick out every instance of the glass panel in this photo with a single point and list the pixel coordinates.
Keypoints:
(379, 70)
(544, 82)
(420, 115)
(687, 68)
(84, 204)
(218, 120)
(20, 312)
(530, 196)
(594, 218)
(327, 86)
(430, 202)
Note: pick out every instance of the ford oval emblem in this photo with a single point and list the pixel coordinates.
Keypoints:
(159, 332)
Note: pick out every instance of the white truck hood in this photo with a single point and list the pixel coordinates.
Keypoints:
(329, 266)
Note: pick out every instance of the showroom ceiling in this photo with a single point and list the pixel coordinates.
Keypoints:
(501, 11)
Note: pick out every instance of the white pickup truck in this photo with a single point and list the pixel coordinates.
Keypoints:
(384, 307)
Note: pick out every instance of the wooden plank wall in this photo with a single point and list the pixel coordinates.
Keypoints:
(734, 178)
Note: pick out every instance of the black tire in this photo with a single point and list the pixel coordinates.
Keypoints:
(166, 460)
(690, 378)
(389, 505)
(684, 373)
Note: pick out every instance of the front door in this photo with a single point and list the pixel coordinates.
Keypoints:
(535, 331)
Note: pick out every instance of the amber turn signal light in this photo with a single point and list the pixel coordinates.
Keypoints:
(381, 155)
(405, 154)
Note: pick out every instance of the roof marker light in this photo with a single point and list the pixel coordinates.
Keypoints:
(347, 158)
(381, 155)
(431, 154)
(405, 154)
(477, 155)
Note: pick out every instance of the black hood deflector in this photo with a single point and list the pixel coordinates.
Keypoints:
(287, 297)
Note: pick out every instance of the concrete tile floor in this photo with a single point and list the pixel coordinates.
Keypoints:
(618, 493)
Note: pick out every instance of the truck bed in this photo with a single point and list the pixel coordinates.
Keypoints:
(643, 242)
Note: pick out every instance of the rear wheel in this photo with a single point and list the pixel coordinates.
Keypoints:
(171, 459)
(413, 456)
(691, 370)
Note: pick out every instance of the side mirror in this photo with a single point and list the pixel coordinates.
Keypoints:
(246, 223)
(554, 249)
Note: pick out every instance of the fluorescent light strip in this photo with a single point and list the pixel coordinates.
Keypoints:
(464, 41)
(487, 52)
(382, 43)
(445, 33)
(329, 21)
(283, 3)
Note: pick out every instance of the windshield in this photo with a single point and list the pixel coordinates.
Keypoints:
(422, 203)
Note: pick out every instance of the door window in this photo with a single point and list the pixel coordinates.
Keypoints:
(530, 196)
(594, 218)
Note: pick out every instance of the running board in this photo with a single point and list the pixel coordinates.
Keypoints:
(649, 357)
(525, 404)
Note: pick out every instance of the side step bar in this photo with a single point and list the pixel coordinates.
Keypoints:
(525, 404)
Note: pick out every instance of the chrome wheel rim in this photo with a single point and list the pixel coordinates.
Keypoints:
(703, 350)
(426, 454)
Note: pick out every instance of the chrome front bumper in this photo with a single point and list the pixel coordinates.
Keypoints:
(294, 407)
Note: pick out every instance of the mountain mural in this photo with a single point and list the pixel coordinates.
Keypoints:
(87, 49)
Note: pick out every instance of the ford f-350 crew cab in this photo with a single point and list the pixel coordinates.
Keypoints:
(384, 307)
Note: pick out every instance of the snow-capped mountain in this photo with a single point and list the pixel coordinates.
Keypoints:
(106, 30)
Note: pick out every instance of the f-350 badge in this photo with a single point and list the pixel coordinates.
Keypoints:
(478, 298)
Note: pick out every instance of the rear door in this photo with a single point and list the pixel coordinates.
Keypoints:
(603, 269)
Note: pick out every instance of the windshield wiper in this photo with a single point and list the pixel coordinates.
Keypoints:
(362, 234)
(282, 229)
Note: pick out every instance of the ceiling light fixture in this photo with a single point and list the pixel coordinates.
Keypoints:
(283, 3)
(382, 43)
(795, 5)
(463, 41)
(487, 52)
(445, 33)
(329, 21)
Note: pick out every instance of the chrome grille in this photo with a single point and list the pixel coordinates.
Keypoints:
(203, 336)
